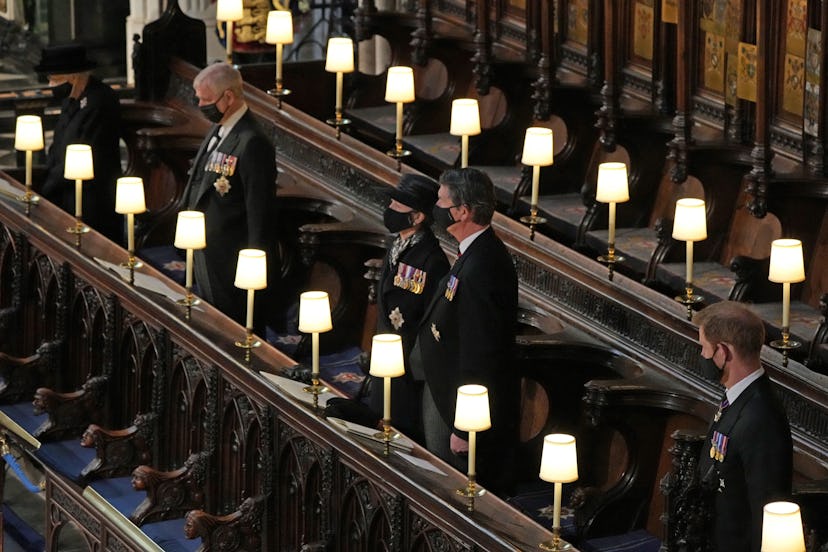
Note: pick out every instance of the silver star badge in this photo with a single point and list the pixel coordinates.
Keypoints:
(396, 318)
(721, 484)
(435, 332)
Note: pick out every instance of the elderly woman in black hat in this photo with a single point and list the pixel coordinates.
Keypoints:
(89, 114)
(414, 265)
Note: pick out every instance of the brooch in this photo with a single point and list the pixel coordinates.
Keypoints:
(396, 318)
(435, 332)
(222, 185)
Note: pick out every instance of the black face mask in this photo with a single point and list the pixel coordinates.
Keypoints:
(709, 370)
(396, 221)
(442, 217)
(62, 91)
(211, 112)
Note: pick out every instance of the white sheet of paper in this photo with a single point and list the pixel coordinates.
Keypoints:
(143, 280)
(420, 463)
(8, 190)
(297, 389)
(403, 443)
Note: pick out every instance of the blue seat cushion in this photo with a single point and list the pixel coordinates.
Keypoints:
(342, 370)
(634, 541)
(167, 259)
(169, 535)
(68, 458)
(538, 503)
(23, 534)
(118, 491)
(23, 414)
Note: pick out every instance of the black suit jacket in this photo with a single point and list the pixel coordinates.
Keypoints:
(399, 311)
(756, 468)
(92, 119)
(238, 217)
(470, 339)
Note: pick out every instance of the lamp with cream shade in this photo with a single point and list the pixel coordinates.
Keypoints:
(339, 59)
(279, 32)
(786, 267)
(251, 274)
(537, 152)
(690, 225)
(129, 201)
(386, 363)
(399, 90)
(612, 188)
(78, 167)
(189, 235)
(782, 528)
(229, 11)
(315, 318)
(559, 465)
(471, 414)
(28, 137)
(465, 122)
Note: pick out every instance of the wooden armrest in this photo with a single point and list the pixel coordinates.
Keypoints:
(69, 413)
(170, 494)
(118, 451)
(244, 524)
(21, 376)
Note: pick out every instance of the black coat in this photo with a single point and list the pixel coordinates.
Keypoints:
(470, 339)
(92, 119)
(400, 309)
(756, 467)
(238, 216)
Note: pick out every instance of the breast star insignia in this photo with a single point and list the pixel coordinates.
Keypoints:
(396, 318)
(721, 484)
(222, 185)
(435, 332)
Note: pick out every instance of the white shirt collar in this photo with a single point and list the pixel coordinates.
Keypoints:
(734, 392)
(467, 241)
(231, 122)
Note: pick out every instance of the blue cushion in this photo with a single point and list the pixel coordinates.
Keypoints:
(539, 505)
(167, 259)
(634, 541)
(23, 534)
(23, 414)
(342, 370)
(118, 491)
(67, 458)
(169, 535)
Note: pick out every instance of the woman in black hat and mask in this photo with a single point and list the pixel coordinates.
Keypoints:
(414, 265)
(89, 114)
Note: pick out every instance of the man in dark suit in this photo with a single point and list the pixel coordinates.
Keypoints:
(89, 114)
(233, 181)
(467, 334)
(747, 458)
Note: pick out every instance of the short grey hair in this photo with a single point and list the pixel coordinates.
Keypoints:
(474, 189)
(219, 77)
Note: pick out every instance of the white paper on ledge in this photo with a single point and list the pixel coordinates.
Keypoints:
(420, 463)
(143, 280)
(7, 189)
(297, 389)
(402, 442)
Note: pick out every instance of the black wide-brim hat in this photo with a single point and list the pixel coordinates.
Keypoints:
(416, 191)
(64, 59)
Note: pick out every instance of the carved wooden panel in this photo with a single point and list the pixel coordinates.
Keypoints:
(139, 349)
(44, 300)
(367, 516)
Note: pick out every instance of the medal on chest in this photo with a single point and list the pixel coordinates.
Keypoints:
(718, 446)
(451, 287)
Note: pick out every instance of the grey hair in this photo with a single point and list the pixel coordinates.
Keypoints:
(219, 77)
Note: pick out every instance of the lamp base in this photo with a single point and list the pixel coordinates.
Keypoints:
(386, 436)
(249, 343)
(29, 198)
(532, 220)
(338, 123)
(689, 300)
(785, 344)
(316, 388)
(611, 259)
(279, 93)
(555, 546)
(78, 230)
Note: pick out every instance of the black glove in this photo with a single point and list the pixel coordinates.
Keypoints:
(351, 410)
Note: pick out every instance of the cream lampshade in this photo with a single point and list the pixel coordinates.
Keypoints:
(690, 222)
(537, 152)
(189, 230)
(279, 27)
(28, 134)
(129, 196)
(612, 184)
(465, 122)
(78, 164)
(472, 408)
(786, 264)
(340, 55)
(782, 528)
(399, 85)
(251, 269)
(314, 312)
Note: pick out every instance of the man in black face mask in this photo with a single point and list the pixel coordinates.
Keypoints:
(89, 114)
(233, 182)
(746, 460)
(414, 265)
(467, 334)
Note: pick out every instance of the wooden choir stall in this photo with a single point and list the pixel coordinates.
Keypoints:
(153, 432)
